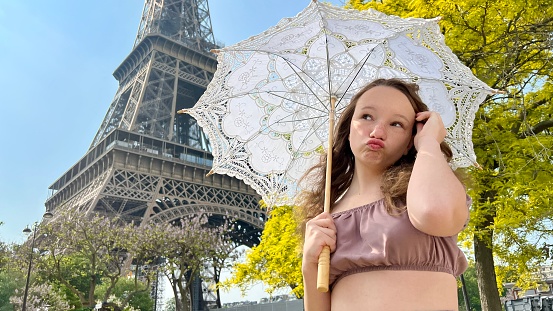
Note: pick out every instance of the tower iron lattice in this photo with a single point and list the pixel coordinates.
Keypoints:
(146, 162)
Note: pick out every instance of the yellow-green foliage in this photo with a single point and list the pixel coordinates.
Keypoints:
(275, 261)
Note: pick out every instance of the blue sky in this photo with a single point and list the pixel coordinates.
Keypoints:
(56, 63)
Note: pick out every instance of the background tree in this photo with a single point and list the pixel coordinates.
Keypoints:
(507, 45)
(11, 280)
(188, 244)
(89, 256)
(141, 300)
(170, 305)
(80, 250)
(275, 261)
(223, 256)
(472, 289)
(40, 296)
(4, 253)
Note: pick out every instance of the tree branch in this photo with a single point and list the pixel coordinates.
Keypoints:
(538, 128)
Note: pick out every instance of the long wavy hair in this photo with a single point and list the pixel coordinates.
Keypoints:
(395, 179)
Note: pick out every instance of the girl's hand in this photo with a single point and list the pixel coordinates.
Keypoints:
(429, 124)
(319, 232)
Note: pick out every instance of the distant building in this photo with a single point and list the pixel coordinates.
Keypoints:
(539, 298)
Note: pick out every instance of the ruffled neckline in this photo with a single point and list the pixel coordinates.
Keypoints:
(355, 209)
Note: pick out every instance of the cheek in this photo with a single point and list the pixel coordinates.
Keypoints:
(408, 148)
(352, 130)
(404, 141)
(409, 141)
(358, 129)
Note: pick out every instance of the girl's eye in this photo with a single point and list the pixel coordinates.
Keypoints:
(367, 117)
(397, 124)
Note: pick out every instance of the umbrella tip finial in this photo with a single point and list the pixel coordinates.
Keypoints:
(215, 51)
(182, 111)
(211, 172)
(496, 91)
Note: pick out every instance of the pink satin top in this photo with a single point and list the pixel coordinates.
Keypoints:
(369, 239)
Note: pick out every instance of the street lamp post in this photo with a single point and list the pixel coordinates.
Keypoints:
(27, 230)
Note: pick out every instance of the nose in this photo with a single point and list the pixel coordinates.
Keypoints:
(379, 131)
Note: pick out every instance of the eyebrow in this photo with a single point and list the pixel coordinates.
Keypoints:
(394, 115)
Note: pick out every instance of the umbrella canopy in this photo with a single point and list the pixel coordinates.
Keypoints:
(266, 111)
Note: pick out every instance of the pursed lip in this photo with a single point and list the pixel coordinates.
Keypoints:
(375, 144)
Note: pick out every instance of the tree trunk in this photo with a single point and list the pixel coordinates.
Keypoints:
(216, 273)
(178, 302)
(91, 289)
(487, 282)
(185, 296)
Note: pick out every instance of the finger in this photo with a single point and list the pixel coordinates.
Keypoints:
(420, 125)
(424, 115)
(331, 242)
(327, 237)
(321, 228)
(326, 223)
(323, 215)
(321, 231)
(316, 240)
(323, 220)
(328, 232)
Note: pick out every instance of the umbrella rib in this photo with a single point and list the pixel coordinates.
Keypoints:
(357, 71)
(275, 93)
(280, 96)
(472, 86)
(261, 92)
(293, 121)
(297, 102)
(313, 130)
(292, 66)
(323, 27)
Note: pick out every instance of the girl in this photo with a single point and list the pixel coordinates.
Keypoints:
(396, 208)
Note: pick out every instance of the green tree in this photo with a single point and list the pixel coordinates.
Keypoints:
(4, 253)
(88, 256)
(170, 305)
(125, 286)
(81, 250)
(472, 290)
(507, 45)
(188, 244)
(40, 295)
(275, 261)
(10, 281)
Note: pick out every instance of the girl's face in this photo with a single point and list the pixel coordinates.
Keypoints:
(381, 129)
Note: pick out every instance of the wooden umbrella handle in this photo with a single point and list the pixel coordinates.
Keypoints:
(323, 271)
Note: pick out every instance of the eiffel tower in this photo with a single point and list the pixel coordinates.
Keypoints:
(148, 163)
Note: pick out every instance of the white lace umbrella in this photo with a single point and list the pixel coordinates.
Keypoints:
(266, 111)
